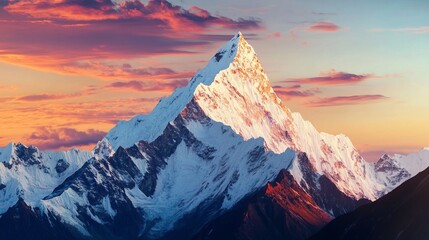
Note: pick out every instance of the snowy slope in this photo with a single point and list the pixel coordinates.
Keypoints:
(196, 169)
(30, 174)
(393, 170)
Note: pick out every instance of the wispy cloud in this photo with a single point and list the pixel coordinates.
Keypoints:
(55, 113)
(346, 100)
(324, 13)
(415, 30)
(7, 87)
(49, 138)
(124, 71)
(323, 27)
(332, 77)
(294, 37)
(275, 35)
(6, 99)
(46, 97)
(295, 91)
(144, 86)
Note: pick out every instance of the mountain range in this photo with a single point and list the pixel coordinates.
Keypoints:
(221, 158)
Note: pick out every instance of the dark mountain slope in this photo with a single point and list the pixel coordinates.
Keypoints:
(401, 214)
(281, 210)
(21, 222)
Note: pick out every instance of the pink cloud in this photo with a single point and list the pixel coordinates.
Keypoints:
(333, 77)
(49, 138)
(172, 16)
(295, 91)
(346, 100)
(46, 97)
(124, 71)
(294, 37)
(323, 27)
(275, 35)
(144, 86)
(199, 12)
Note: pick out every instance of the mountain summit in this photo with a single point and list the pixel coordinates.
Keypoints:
(232, 89)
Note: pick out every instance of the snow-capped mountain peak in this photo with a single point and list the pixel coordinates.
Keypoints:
(393, 170)
(30, 174)
(234, 90)
(149, 127)
(6, 152)
(232, 85)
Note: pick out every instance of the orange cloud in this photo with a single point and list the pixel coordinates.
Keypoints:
(21, 118)
(144, 86)
(124, 71)
(295, 91)
(323, 27)
(55, 139)
(333, 77)
(46, 97)
(346, 100)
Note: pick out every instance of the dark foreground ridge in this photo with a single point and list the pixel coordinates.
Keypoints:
(401, 214)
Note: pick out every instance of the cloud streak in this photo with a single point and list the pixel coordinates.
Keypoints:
(46, 97)
(124, 71)
(295, 91)
(49, 138)
(323, 27)
(332, 77)
(144, 86)
(346, 100)
(415, 30)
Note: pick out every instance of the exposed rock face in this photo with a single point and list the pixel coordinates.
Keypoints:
(281, 210)
(324, 192)
(61, 165)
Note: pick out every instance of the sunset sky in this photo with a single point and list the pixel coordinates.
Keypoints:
(70, 69)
